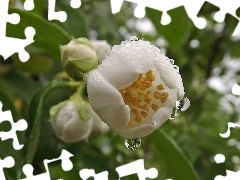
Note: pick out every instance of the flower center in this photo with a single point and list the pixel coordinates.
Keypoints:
(144, 96)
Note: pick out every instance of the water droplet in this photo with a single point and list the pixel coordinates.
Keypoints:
(184, 103)
(133, 144)
(172, 116)
(133, 38)
(176, 67)
(171, 61)
(181, 105)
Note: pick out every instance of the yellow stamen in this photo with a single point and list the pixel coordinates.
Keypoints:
(154, 107)
(138, 96)
(160, 87)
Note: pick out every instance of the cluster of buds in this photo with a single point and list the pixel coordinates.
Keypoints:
(74, 120)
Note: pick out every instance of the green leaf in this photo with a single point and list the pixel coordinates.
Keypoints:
(177, 165)
(41, 103)
(7, 145)
(234, 48)
(35, 65)
(15, 83)
(48, 35)
(177, 31)
(75, 23)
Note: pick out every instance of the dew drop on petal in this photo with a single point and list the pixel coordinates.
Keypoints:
(183, 104)
(186, 104)
(172, 116)
(133, 38)
(133, 144)
(176, 67)
(171, 61)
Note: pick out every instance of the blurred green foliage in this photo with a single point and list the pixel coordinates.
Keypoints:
(182, 149)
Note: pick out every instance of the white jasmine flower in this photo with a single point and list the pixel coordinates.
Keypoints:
(135, 89)
(71, 121)
(102, 48)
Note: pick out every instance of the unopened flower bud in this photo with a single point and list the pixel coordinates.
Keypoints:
(71, 120)
(78, 58)
(102, 48)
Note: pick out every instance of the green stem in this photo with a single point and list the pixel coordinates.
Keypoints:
(77, 96)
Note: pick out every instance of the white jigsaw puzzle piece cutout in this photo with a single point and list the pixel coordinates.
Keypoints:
(28, 171)
(75, 4)
(236, 88)
(28, 5)
(66, 164)
(220, 158)
(137, 167)
(227, 133)
(230, 175)
(87, 173)
(7, 162)
(53, 15)
(60, 15)
(20, 125)
(192, 8)
(8, 45)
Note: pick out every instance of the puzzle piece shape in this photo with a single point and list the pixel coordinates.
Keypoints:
(137, 167)
(236, 89)
(20, 125)
(66, 164)
(7, 162)
(220, 158)
(60, 15)
(87, 173)
(227, 133)
(231, 21)
(28, 5)
(192, 8)
(75, 4)
(231, 175)
(8, 45)
(28, 171)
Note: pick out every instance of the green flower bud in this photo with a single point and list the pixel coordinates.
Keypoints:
(78, 58)
(71, 120)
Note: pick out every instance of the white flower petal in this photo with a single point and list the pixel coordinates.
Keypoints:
(163, 113)
(169, 75)
(124, 63)
(136, 132)
(106, 101)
